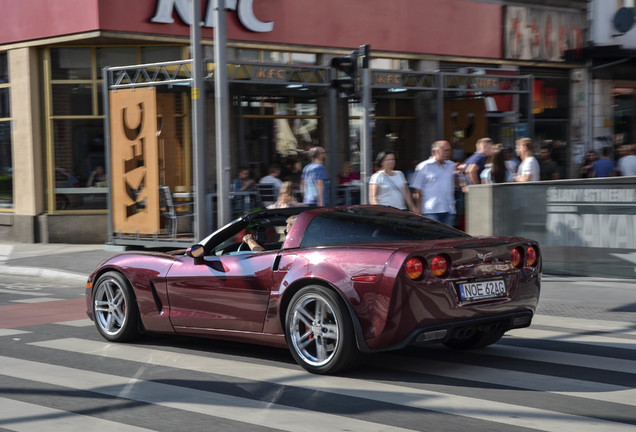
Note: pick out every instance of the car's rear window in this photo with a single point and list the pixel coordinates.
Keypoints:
(367, 224)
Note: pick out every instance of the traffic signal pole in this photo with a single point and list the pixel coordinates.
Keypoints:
(353, 78)
(366, 149)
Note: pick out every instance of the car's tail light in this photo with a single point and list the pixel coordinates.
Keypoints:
(414, 268)
(531, 256)
(439, 265)
(516, 257)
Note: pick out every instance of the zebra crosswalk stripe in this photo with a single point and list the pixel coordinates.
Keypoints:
(561, 358)
(580, 324)
(596, 340)
(488, 410)
(28, 417)
(524, 380)
(209, 403)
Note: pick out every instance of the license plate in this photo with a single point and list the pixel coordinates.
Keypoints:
(482, 290)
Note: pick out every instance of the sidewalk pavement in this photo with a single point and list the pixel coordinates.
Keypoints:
(77, 261)
(569, 296)
(65, 261)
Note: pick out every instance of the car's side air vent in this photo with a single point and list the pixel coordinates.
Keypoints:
(156, 297)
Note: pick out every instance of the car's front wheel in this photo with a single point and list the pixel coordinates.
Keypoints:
(115, 308)
(319, 331)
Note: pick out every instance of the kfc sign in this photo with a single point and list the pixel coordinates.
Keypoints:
(243, 8)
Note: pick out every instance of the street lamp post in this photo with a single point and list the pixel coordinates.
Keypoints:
(198, 125)
(222, 115)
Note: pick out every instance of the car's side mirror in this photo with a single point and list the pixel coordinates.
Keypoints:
(195, 251)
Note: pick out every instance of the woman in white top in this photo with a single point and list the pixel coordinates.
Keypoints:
(388, 186)
(496, 170)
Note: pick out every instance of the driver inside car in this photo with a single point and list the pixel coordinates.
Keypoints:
(250, 239)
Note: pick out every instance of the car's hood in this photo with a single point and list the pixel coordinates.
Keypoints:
(159, 262)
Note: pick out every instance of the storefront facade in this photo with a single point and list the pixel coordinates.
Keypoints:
(52, 92)
(608, 74)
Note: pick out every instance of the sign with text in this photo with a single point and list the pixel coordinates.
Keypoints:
(541, 34)
(134, 161)
(595, 217)
(244, 9)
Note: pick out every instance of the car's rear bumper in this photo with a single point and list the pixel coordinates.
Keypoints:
(442, 332)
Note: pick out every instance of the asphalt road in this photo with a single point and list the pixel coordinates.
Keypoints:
(563, 373)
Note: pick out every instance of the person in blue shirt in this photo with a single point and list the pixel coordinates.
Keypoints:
(314, 180)
(476, 162)
(604, 167)
(243, 181)
(240, 188)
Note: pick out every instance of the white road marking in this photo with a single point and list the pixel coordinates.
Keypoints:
(521, 416)
(26, 417)
(239, 409)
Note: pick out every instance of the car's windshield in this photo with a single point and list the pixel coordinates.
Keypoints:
(369, 224)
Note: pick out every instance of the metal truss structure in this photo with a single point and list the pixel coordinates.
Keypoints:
(180, 73)
(277, 77)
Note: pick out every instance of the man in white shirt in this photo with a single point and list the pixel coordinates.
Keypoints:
(273, 179)
(627, 164)
(434, 182)
(529, 169)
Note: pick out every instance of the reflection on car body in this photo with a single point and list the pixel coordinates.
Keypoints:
(345, 281)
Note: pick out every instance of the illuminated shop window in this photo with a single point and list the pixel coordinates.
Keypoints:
(160, 54)
(75, 147)
(247, 54)
(6, 165)
(276, 57)
(71, 63)
(283, 57)
(392, 64)
(277, 131)
(72, 99)
(624, 114)
(116, 56)
(304, 59)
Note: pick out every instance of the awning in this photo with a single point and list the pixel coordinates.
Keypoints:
(608, 61)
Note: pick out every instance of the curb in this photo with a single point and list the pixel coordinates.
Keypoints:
(42, 272)
(585, 279)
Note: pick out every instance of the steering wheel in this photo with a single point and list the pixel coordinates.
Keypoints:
(240, 247)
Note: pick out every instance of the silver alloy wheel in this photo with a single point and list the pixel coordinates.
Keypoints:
(110, 306)
(314, 329)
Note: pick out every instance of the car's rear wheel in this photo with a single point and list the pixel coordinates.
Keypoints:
(480, 338)
(115, 308)
(319, 331)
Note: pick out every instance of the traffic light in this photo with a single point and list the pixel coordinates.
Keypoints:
(348, 71)
(347, 79)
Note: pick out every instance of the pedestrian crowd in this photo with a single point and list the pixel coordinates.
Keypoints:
(433, 187)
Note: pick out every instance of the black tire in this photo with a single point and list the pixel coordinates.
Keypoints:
(115, 308)
(319, 331)
(480, 339)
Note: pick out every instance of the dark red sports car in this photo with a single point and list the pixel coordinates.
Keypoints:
(343, 282)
